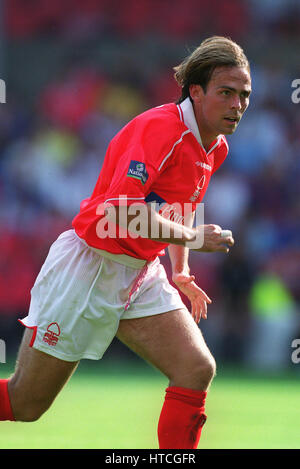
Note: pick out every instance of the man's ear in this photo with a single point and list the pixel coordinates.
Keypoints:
(196, 92)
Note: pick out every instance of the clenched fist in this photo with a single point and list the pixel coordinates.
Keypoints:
(215, 239)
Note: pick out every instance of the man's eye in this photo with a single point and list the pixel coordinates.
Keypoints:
(226, 92)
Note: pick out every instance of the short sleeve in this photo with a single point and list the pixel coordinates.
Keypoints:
(141, 162)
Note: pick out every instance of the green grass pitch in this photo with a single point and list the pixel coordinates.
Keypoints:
(113, 405)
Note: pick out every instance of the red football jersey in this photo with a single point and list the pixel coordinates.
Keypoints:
(157, 157)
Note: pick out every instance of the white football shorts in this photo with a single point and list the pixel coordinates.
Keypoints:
(81, 294)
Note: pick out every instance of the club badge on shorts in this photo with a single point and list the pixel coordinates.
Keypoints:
(52, 335)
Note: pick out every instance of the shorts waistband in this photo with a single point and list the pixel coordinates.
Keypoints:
(124, 259)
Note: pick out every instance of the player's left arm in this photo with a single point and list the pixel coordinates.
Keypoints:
(184, 281)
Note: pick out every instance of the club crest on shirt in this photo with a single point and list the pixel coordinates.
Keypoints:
(137, 170)
(199, 188)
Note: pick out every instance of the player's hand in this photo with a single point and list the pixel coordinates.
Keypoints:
(215, 239)
(198, 298)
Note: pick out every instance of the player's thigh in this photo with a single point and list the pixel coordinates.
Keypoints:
(37, 380)
(173, 343)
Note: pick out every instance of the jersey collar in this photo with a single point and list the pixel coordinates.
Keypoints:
(189, 118)
(187, 115)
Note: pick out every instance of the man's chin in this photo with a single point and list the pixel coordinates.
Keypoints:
(229, 130)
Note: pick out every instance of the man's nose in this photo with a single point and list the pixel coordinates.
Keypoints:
(236, 102)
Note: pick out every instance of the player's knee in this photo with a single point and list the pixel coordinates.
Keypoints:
(204, 371)
(197, 373)
(207, 369)
(29, 411)
(26, 408)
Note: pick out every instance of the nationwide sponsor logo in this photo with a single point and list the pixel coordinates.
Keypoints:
(52, 334)
(137, 170)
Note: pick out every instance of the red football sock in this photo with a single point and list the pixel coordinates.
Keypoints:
(5, 407)
(181, 419)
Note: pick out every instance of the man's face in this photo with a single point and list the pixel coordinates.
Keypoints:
(220, 108)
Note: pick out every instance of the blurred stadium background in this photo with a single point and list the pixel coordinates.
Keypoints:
(75, 73)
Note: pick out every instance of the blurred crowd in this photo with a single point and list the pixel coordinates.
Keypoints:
(116, 61)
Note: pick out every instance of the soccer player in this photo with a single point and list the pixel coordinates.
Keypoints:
(104, 279)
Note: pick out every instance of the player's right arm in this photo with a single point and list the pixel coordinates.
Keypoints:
(143, 220)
